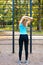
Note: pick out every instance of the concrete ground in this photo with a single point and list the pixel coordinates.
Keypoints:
(8, 58)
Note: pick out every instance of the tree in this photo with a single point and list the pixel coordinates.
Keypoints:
(21, 7)
(39, 16)
(38, 13)
(6, 12)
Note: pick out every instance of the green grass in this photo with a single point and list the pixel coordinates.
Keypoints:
(37, 33)
(9, 28)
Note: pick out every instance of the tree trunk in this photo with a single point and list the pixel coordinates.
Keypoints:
(39, 17)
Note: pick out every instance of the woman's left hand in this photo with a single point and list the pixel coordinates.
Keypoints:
(31, 19)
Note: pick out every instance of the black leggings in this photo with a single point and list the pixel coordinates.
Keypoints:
(23, 38)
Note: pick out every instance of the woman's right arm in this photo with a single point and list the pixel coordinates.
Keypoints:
(21, 19)
(30, 19)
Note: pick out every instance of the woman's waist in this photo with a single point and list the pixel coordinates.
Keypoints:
(23, 34)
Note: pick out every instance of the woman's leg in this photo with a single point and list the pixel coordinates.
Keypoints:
(26, 47)
(20, 47)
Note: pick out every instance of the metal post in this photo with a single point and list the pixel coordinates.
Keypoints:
(31, 27)
(13, 26)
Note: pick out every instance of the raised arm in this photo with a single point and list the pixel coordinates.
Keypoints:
(27, 18)
(30, 19)
(22, 19)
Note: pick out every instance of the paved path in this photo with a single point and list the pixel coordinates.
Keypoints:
(8, 39)
(8, 35)
(7, 58)
(12, 59)
(16, 37)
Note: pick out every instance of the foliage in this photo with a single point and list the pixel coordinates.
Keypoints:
(21, 7)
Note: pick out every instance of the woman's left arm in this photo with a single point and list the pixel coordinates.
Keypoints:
(30, 19)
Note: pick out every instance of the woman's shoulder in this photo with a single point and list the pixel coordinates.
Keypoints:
(20, 24)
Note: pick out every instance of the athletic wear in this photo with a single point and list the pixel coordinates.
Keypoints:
(23, 38)
(23, 29)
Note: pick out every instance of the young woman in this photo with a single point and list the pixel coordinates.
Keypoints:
(23, 23)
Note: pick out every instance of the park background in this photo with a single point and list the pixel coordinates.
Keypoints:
(10, 14)
(21, 7)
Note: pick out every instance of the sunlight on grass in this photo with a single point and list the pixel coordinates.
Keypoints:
(9, 28)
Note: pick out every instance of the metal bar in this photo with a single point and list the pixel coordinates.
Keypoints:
(13, 25)
(31, 27)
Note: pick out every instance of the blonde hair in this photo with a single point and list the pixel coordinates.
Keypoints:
(24, 20)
